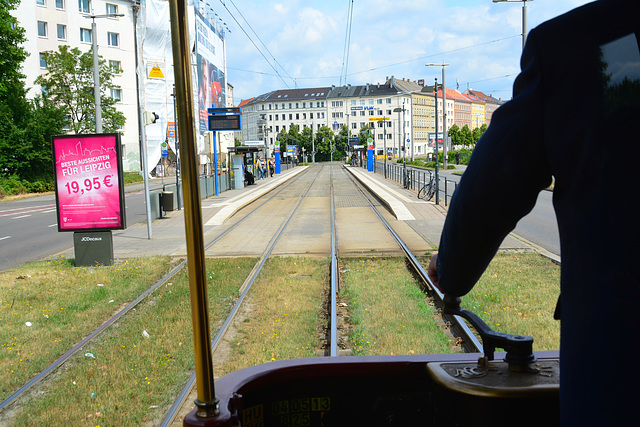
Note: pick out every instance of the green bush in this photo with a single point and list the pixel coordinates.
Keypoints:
(465, 155)
(132, 178)
(12, 185)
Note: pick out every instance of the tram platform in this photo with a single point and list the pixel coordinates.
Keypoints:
(168, 233)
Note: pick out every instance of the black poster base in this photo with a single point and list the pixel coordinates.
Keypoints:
(93, 248)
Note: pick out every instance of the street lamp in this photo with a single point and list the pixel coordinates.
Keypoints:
(96, 65)
(444, 117)
(524, 16)
(402, 142)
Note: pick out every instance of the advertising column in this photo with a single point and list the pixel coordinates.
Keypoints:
(89, 193)
(370, 154)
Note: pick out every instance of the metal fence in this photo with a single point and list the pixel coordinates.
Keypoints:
(416, 178)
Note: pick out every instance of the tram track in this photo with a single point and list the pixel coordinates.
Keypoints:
(182, 399)
(132, 305)
(457, 325)
(333, 338)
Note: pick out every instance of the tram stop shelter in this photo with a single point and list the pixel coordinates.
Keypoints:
(243, 157)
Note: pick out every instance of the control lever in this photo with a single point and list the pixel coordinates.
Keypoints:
(519, 348)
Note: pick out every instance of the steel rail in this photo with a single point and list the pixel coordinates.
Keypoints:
(62, 359)
(84, 342)
(459, 327)
(334, 278)
(180, 401)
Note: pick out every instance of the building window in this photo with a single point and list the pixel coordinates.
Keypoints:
(113, 39)
(62, 32)
(112, 9)
(43, 62)
(84, 6)
(276, 117)
(85, 35)
(115, 66)
(41, 2)
(42, 29)
(59, 4)
(116, 95)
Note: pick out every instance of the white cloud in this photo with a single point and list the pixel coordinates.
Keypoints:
(480, 40)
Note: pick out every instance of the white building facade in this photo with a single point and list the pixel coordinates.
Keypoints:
(51, 23)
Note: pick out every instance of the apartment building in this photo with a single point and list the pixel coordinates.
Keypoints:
(51, 23)
(265, 116)
(491, 104)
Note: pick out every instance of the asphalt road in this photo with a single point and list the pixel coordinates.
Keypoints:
(539, 226)
(29, 230)
(28, 227)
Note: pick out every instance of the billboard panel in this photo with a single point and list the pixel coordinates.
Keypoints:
(88, 182)
(210, 67)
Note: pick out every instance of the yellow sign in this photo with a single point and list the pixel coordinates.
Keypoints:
(156, 72)
(378, 119)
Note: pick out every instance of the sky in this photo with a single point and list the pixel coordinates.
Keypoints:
(273, 45)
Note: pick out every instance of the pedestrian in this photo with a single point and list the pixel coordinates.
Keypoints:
(263, 167)
(272, 166)
(457, 157)
(257, 168)
(580, 81)
(248, 176)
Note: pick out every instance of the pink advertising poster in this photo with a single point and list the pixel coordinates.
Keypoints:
(89, 187)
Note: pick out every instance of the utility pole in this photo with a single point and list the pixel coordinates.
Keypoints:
(444, 116)
(96, 65)
(436, 147)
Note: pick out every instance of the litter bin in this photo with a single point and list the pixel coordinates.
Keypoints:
(166, 200)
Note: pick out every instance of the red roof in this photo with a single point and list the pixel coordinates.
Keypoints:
(244, 102)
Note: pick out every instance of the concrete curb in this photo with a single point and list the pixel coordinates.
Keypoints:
(238, 202)
(398, 208)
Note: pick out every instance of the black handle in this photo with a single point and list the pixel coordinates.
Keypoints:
(519, 348)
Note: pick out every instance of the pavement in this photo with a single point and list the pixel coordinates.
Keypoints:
(167, 235)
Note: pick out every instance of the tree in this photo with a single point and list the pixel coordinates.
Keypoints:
(363, 135)
(324, 139)
(454, 133)
(466, 137)
(69, 84)
(477, 132)
(25, 126)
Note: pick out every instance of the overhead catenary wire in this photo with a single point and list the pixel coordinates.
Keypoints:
(255, 45)
(347, 43)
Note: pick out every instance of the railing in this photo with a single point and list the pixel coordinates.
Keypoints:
(418, 178)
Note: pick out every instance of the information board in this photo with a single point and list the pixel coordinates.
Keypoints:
(88, 182)
(225, 122)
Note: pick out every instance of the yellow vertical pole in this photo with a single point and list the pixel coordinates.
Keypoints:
(206, 402)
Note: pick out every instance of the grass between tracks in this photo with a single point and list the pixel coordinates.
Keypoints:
(517, 294)
(126, 378)
(389, 312)
(285, 303)
(134, 370)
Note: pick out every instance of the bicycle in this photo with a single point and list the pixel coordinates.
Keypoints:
(407, 180)
(429, 189)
